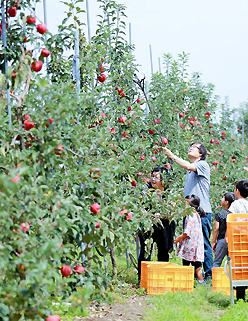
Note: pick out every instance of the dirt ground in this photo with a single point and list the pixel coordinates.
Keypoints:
(133, 309)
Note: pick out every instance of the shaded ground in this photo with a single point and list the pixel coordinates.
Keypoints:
(133, 309)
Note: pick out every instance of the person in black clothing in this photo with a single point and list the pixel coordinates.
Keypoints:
(163, 234)
(219, 245)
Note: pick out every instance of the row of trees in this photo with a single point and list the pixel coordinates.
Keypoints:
(74, 166)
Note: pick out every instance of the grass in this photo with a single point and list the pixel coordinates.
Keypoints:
(202, 303)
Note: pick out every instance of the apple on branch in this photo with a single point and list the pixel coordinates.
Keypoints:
(98, 224)
(66, 270)
(41, 28)
(12, 11)
(30, 19)
(95, 208)
(79, 269)
(36, 65)
(133, 183)
(102, 77)
(45, 53)
(129, 216)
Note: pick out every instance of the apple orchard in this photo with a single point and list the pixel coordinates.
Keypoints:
(74, 165)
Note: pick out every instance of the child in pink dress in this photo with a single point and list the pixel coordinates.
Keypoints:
(191, 245)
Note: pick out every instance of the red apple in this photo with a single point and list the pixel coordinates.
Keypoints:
(192, 122)
(12, 11)
(41, 28)
(122, 95)
(61, 148)
(98, 224)
(27, 141)
(138, 100)
(101, 68)
(25, 227)
(151, 132)
(129, 108)
(95, 208)
(119, 90)
(45, 52)
(53, 317)
(133, 183)
(165, 140)
(16, 178)
(102, 77)
(239, 219)
(66, 270)
(212, 141)
(98, 170)
(122, 119)
(50, 121)
(181, 115)
(181, 125)
(31, 19)
(142, 157)
(28, 125)
(168, 166)
(153, 159)
(36, 65)
(79, 269)
(157, 121)
(129, 216)
(206, 104)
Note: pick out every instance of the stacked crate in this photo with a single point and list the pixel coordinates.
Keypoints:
(162, 277)
(237, 233)
(220, 281)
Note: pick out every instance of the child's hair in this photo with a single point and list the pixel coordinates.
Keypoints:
(242, 186)
(194, 201)
(229, 197)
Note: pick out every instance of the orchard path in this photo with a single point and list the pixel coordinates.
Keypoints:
(133, 309)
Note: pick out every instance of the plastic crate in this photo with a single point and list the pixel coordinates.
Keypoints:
(239, 259)
(143, 278)
(220, 281)
(237, 232)
(162, 277)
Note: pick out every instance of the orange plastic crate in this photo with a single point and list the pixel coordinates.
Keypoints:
(239, 259)
(162, 277)
(220, 281)
(237, 232)
(143, 279)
